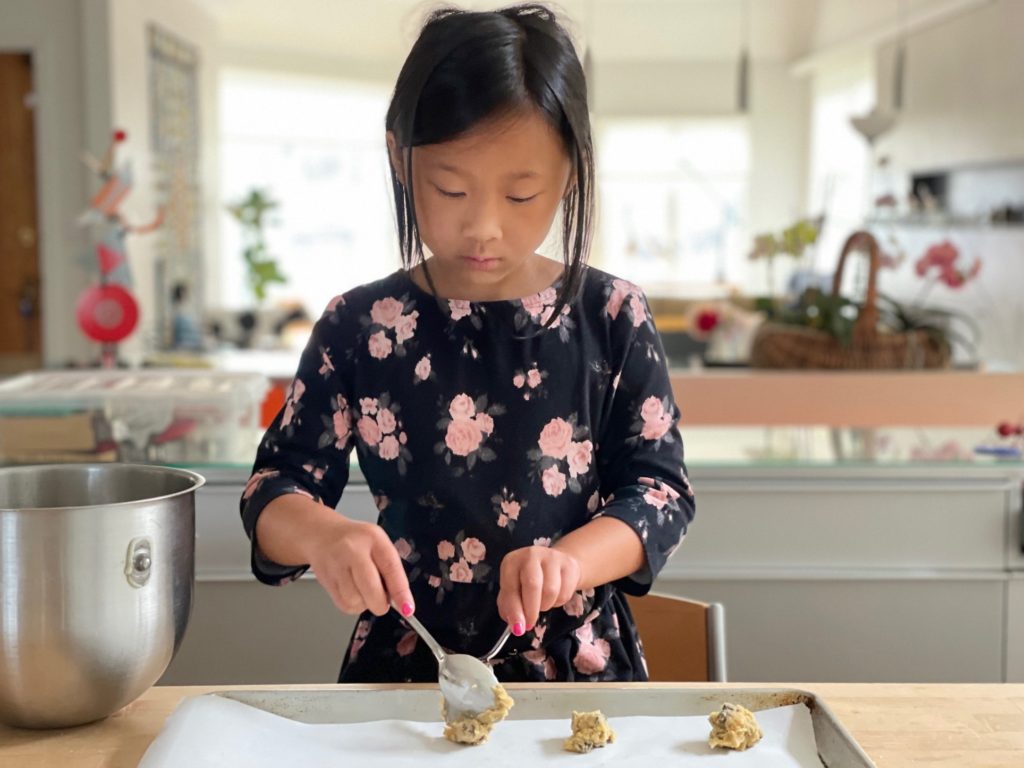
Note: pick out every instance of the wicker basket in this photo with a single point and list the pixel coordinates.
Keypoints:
(781, 345)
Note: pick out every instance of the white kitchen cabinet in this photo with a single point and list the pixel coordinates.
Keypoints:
(833, 573)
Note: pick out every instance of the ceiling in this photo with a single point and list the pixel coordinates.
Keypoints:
(619, 30)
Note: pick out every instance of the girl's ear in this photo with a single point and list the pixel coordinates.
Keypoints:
(395, 154)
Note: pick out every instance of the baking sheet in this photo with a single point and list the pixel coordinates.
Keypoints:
(214, 730)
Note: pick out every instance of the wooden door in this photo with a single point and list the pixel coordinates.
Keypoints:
(20, 284)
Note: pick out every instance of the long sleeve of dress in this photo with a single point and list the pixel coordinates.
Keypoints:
(643, 475)
(306, 449)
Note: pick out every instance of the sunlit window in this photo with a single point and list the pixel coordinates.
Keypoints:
(673, 201)
(317, 147)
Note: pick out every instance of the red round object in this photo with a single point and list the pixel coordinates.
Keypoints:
(120, 135)
(107, 313)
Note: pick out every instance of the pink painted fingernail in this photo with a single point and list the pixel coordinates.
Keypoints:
(407, 609)
(517, 629)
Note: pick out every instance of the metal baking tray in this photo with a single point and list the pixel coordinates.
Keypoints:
(836, 747)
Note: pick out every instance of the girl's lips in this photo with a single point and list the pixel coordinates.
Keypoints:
(479, 262)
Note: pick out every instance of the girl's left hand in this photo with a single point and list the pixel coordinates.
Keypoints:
(535, 579)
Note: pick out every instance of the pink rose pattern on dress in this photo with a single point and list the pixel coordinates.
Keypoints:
(531, 382)
(563, 456)
(467, 424)
(375, 348)
(381, 430)
(461, 560)
(538, 308)
(507, 509)
(391, 325)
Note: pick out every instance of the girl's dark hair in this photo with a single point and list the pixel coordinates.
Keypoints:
(468, 66)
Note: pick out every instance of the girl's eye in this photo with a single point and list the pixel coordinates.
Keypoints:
(522, 199)
(446, 193)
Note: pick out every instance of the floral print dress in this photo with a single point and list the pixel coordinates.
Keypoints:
(479, 431)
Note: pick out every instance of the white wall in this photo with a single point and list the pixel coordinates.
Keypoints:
(963, 91)
(90, 62)
(51, 30)
(128, 57)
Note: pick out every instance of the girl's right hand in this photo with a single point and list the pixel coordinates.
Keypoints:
(360, 568)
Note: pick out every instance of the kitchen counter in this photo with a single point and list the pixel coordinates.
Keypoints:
(981, 726)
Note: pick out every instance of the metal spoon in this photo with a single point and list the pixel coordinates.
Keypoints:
(467, 683)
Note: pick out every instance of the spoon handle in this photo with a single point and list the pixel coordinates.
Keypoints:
(427, 637)
(498, 645)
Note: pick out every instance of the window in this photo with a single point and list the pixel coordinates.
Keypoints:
(673, 202)
(317, 147)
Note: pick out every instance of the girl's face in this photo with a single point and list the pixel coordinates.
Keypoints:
(486, 200)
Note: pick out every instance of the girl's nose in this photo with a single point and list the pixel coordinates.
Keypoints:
(482, 222)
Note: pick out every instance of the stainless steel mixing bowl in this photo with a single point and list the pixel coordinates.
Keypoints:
(96, 579)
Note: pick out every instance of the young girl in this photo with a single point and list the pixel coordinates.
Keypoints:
(511, 414)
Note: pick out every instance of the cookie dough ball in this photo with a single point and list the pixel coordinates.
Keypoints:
(475, 729)
(733, 727)
(589, 730)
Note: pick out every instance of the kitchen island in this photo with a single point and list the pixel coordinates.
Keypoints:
(899, 726)
(853, 555)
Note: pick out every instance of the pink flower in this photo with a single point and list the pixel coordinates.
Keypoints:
(406, 327)
(533, 378)
(379, 345)
(534, 304)
(460, 308)
(368, 430)
(462, 408)
(386, 421)
(404, 548)
(575, 605)
(555, 438)
(655, 430)
(518, 380)
(386, 311)
(543, 541)
(423, 369)
(485, 422)
(389, 448)
(473, 550)
(328, 366)
(407, 644)
(256, 481)
(368, 405)
(445, 550)
(656, 497)
(548, 295)
(334, 303)
(460, 572)
(342, 421)
(585, 634)
(636, 307)
(434, 581)
(592, 657)
(553, 481)
(463, 437)
(580, 455)
(295, 392)
(620, 291)
(403, 438)
(502, 520)
(316, 472)
(614, 305)
(511, 508)
(652, 409)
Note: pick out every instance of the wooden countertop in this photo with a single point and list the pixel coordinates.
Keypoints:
(719, 397)
(940, 726)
